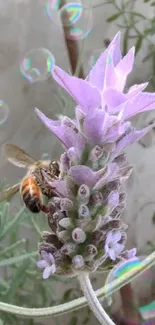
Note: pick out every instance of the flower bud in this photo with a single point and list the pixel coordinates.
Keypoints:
(68, 249)
(113, 199)
(64, 163)
(78, 235)
(66, 205)
(97, 197)
(84, 212)
(90, 252)
(65, 223)
(71, 187)
(84, 194)
(63, 235)
(72, 155)
(78, 262)
(96, 153)
(80, 118)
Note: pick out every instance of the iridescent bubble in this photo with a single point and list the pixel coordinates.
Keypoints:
(82, 27)
(4, 112)
(52, 8)
(37, 64)
(71, 13)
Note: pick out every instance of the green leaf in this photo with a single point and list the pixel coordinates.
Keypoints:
(11, 224)
(4, 214)
(138, 44)
(17, 259)
(12, 247)
(17, 280)
(67, 295)
(113, 17)
(146, 0)
(153, 4)
(138, 15)
(4, 284)
(1, 322)
(73, 320)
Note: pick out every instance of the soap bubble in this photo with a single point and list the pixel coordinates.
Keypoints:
(37, 64)
(4, 112)
(82, 27)
(76, 18)
(71, 13)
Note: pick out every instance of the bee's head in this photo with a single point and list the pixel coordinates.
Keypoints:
(54, 168)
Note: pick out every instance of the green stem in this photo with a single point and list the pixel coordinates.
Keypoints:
(107, 290)
(92, 300)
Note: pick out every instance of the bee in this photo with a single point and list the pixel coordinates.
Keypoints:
(34, 185)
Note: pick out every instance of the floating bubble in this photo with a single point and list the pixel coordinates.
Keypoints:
(4, 112)
(82, 27)
(148, 311)
(52, 8)
(76, 18)
(121, 271)
(37, 64)
(71, 13)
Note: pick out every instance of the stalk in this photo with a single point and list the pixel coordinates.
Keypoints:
(92, 300)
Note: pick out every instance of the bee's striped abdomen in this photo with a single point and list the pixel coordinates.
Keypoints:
(31, 194)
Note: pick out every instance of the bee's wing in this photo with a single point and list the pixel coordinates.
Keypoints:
(9, 192)
(18, 156)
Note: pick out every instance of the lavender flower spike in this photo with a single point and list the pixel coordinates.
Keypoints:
(87, 208)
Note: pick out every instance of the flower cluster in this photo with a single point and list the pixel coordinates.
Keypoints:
(84, 216)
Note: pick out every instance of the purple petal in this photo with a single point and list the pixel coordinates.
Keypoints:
(131, 253)
(110, 79)
(51, 258)
(141, 103)
(115, 132)
(114, 98)
(42, 264)
(85, 175)
(64, 133)
(116, 237)
(119, 248)
(111, 173)
(109, 237)
(47, 272)
(97, 74)
(132, 137)
(86, 96)
(124, 67)
(113, 199)
(45, 256)
(93, 127)
(112, 254)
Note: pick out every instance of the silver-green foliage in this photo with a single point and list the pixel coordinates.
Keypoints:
(20, 282)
